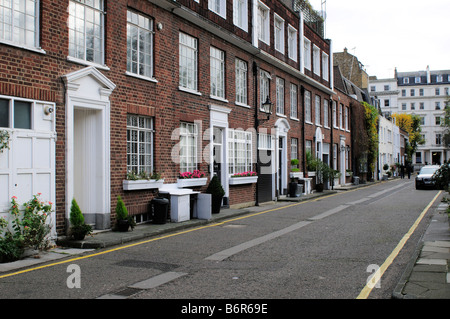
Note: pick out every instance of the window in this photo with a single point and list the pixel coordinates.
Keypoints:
(326, 113)
(307, 57)
(372, 88)
(139, 44)
(292, 43)
(413, 106)
(241, 82)
(308, 106)
(15, 114)
(334, 115)
(437, 105)
(139, 144)
(413, 92)
(403, 92)
(422, 106)
(421, 92)
(405, 80)
(438, 91)
(316, 60)
(439, 78)
(265, 86)
(386, 102)
(325, 71)
(346, 118)
(217, 73)
(317, 109)
(386, 87)
(188, 62)
(86, 23)
(437, 120)
(240, 14)
(404, 106)
(219, 7)
(19, 22)
(294, 107)
(263, 23)
(280, 96)
(239, 151)
(417, 79)
(308, 146)
(294, 149)
(438, 139)
(422, 120)
(188, 147)
(279, 33)
(340, 116)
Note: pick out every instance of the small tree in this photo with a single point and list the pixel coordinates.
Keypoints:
(78, 228)
(122, 212)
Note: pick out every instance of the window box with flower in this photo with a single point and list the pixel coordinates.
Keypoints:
(243, 178)
(192, 179)
(142, 181)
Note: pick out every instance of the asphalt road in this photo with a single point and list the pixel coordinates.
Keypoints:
(321, 249)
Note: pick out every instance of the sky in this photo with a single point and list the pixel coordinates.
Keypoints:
(386, 34)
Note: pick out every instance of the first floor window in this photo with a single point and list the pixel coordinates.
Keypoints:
(318, 113)
(217, 67)
(188, 62)
(294, 112)
(308, 106)
(280, 96)
(188, 147)
(241, 82)
(19, 22)
(139, 44)
(86, 24)
(139, 144)
(239, 151)
(294, 148)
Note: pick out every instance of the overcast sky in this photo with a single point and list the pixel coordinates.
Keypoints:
(385, 34)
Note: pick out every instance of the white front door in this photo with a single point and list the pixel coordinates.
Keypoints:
(88, 145)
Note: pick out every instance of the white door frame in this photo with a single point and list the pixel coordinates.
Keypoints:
(282, 128)
(89, 89)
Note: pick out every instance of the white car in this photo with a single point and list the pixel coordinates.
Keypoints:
(425, 176)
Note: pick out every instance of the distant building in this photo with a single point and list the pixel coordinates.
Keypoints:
(422, 93)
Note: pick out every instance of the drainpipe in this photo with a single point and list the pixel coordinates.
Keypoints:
(258, 171)
(302, 94)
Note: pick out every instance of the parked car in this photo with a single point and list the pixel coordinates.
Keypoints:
(425, 176)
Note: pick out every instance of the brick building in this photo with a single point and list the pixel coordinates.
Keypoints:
(95, 89)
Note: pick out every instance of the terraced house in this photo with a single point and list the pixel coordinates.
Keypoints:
(93, 90)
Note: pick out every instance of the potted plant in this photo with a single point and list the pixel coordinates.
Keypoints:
(295, 173)
(216, 190)
(123, 220)
(78, 228)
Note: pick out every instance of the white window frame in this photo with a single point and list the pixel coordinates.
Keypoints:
(263, 23)
(140, 137)
(188, 147)
(280, 96)
(316, 60)
(307, 54)
(240, 14)
(219, 7)
(326, 113)
(294, 148)
(188, 62)
(78, 41)
(346, 118)
(341, 120)
(139, 61)
(292, 43)
(335, 119)
(240, 151)
(22, 29)
(217, 69)
(241, 82)
(278, 31)
(11, 112)
(308, 111)
(325, 66)
(294, 101)
(264, 87)
(318, 113)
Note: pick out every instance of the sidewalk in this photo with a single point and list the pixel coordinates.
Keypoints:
(427, 275)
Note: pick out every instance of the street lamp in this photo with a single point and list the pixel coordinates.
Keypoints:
(267, 107)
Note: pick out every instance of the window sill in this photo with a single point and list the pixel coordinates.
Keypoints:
(25, 47)
(218, 98)
(281, 115)
(142, 77)
(308, 122)
(129, 185)
(84, 62)
(243, 105)
(242, 180)
(294, 119)
(195, 92)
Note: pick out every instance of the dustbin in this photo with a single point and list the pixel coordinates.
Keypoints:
(355, 180)
(160, 208)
